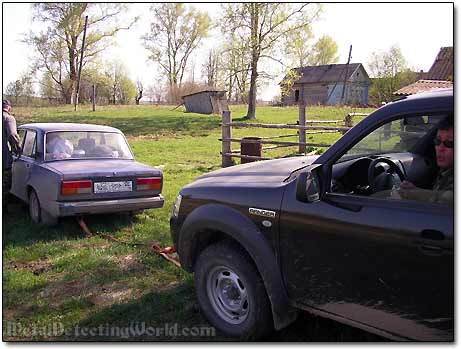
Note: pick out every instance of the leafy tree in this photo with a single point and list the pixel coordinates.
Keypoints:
(212, 68)
(59, 47)
(236, 66)
(175, 33)
(156, 93)
(382, 89)
(122, 90)
(389, 72)
(325, 51)
(286, 86)
(127, 90)
(298, 46)
(22, 87)
(49, 88)
(263, 26)
(93, 75)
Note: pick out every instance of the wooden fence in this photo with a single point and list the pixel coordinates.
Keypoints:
(304, 127)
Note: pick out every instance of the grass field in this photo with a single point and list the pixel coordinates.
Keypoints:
(58, 276)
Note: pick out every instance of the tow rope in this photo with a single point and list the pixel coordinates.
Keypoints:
(152, 246)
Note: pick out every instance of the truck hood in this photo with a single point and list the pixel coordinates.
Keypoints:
(256, 173)
(101, 168)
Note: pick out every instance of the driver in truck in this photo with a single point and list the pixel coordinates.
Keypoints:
(443, 186)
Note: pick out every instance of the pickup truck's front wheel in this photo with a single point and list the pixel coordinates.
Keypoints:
(231, 293)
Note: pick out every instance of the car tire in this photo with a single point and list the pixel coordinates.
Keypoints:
(231, 293)
(37, 214)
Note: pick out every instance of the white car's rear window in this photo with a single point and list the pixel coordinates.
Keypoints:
(89, 145)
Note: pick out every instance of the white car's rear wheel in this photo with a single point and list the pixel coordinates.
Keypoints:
(36, 213)
(34, 207)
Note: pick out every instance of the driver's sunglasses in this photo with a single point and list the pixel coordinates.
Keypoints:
(447, 144)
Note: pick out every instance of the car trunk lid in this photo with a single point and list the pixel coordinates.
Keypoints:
(109, 179)
(75, 169)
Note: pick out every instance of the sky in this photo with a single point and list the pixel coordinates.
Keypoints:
(419, 29)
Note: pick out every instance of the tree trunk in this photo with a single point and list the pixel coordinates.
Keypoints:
(66, 94)
(138, 97)
(254, 61)
(252, 94)
(72, 69)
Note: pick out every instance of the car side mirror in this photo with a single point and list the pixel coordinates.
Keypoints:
(308, 186)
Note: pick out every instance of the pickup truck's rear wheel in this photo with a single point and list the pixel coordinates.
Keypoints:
(231, 293)
(36, 213)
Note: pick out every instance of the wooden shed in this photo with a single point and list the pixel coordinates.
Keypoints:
(323, 85)
(206, 102)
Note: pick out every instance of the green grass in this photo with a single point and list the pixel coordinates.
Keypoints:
(57, 275)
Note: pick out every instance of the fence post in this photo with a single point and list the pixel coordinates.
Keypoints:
(94, 97)
(226, 160)
(302, 133)
(348, 122)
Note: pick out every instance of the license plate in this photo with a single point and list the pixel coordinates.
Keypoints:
(113, 187)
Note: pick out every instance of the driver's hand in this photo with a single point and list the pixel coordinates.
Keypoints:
(395, 194)
(406, 185)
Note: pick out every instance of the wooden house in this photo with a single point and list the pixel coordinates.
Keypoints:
(206, 102)
(332, 84)
(438, 77)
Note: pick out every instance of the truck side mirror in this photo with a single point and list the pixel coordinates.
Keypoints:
(308, 186)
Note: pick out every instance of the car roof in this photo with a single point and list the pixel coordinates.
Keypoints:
(436, 93)
(68, 126)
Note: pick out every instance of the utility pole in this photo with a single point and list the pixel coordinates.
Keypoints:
(345, 75)
(80, 66)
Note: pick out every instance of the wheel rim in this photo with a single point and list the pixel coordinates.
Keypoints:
(228, 295)
(34, 208)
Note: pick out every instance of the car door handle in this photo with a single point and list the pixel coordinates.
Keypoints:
(429, 240)
(344, 205)
(430, 250)
(27, 165)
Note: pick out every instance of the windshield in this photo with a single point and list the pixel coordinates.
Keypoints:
(86, 145)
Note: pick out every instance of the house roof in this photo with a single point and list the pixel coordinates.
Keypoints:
(442, 68)
(423, 86)
(326, 73)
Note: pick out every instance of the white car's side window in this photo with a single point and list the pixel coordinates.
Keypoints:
(29, 144)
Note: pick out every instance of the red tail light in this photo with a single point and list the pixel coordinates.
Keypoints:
(75, 187)
(150, 183)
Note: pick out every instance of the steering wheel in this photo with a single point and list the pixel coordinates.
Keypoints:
(388, 175)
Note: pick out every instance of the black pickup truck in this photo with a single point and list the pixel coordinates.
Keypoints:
(329, 234)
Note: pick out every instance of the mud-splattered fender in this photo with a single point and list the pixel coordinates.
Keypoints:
(236, 226)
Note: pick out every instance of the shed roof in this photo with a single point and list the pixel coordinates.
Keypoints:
(326, 73)
(442, 68)
(204, 91)
(423, 86)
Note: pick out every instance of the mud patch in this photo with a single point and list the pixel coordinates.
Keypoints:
(128, 263)
(36, 267)
(110, 294)
(62, 290)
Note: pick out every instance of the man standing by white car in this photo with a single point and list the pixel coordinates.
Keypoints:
(10, 144)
